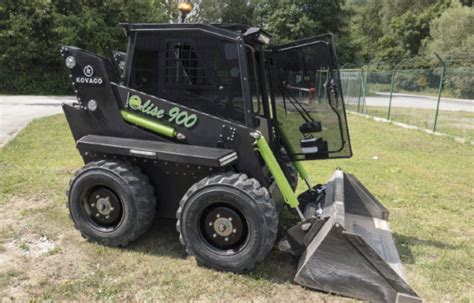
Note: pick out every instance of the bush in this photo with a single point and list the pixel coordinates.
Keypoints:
(460, 82)
(36, 80)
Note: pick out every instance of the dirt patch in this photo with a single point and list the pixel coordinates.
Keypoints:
(30, 245)
(29, 258)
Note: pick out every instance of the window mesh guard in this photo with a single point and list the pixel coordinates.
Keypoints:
(182, 67)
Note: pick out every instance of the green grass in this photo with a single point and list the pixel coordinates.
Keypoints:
(425, 181)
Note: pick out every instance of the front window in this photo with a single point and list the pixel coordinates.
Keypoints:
(309, 105)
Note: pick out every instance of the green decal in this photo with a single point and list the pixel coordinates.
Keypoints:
(182, 117)
(135, 102)
(176, 115)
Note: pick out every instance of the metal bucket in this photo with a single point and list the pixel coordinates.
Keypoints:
(351, 250)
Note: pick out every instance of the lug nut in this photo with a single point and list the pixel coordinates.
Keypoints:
(107, 217)
(226, 239)
(93, 204)
(218, 215)
(111, 209)
(210, 223)
(234, 231)
(230, 218)
(214, 235)
(96, 215)
(97, 197)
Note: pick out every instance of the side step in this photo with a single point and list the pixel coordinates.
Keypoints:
(163, 151)
(353, 253)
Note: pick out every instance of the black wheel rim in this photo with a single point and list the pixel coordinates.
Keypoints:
(102, 208)
(224, 227)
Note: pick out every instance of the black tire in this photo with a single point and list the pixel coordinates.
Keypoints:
(111, 184)
(233, 192)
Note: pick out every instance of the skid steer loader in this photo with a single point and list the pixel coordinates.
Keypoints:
(209, 125)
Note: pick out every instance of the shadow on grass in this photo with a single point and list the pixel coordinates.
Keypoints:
(405, 244)
(162, 240)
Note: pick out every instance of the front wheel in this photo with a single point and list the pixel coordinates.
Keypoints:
(228, 222)
(111, 203)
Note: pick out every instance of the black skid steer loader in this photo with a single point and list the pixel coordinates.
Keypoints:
(209, 125)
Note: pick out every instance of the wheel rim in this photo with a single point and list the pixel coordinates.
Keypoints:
(102, 208)
(224, 227)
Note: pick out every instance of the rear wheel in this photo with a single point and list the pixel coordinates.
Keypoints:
(227, 221)
(111, 203)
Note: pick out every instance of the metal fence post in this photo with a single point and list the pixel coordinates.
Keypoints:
(360, 88)
(440, 89)
(391, 89)
(365, 89)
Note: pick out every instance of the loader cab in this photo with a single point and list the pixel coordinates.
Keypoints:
(199, 66)
(291, 92)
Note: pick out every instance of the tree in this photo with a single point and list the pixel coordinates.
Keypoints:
(365, 29)
(453, 39)
(26, 35)
(395, 8)
(290, 20)
(453, 32)
(93, 25)
(224, 11)
(31, 33)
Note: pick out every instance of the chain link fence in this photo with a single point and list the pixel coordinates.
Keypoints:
(440, 100)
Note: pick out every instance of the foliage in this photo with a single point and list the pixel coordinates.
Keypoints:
(453, 38)
(224, 11)
(32, 31)
(290, 20)
(365, 30)
(453, 32)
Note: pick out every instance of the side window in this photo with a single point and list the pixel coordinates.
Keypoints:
(196, 69)
(182, 66)
(143, 76)
(202, 72)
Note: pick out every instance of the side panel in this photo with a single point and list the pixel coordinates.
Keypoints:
(93, 79)
(153, 150)
(198, 128)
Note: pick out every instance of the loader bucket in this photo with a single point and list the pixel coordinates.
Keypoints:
(353, 253)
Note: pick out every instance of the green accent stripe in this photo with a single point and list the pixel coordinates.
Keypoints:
(289, 148)
(277, 172)
(148, 124)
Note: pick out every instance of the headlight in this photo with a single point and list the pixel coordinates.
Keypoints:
(264, 39)
(70, 62)
(92, 105)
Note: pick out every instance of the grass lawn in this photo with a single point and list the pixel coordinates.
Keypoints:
(426, 182)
